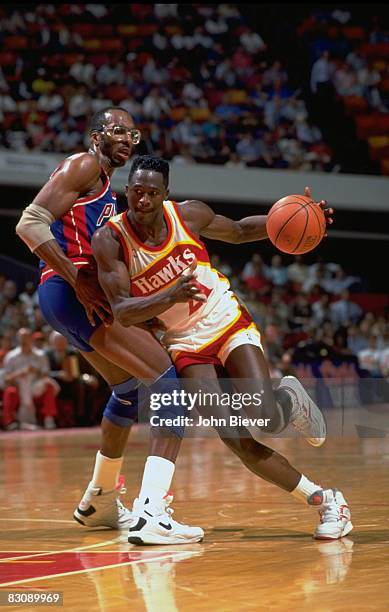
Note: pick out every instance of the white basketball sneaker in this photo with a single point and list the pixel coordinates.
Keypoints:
(103, 509)
(306, 416)
(153, 524)
(334, 514)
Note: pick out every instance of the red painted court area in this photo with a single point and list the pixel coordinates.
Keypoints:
(27, 566)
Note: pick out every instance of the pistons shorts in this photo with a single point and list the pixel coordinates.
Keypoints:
(64, 313)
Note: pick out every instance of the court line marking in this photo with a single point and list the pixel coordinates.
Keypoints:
(102, 567)
(66, 550)
(38, 520)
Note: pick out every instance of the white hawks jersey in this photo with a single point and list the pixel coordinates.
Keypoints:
(153, 269)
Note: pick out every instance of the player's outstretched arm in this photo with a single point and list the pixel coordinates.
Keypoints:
(204, 221)
(115, 280)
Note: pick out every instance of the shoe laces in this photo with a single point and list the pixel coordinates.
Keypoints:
(332, 511)
(301, 420)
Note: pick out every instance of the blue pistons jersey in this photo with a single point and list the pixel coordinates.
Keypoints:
(74, 230)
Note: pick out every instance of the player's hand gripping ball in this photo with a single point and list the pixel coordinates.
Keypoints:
(296, 224)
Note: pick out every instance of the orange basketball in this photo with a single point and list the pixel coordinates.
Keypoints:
(295, 224)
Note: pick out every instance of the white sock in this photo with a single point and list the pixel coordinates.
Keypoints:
(106, 472)
(305, 488)
(157, 478)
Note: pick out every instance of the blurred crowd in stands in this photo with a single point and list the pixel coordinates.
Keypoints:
(200, 81)
(307, 313)
(44, 382)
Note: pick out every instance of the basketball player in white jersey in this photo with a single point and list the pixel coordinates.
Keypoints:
(141, 257)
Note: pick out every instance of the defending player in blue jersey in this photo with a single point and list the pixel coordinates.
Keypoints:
(58, 227)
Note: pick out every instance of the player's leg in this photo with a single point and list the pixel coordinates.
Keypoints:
(270, 465)
(132, 349)
(120, 413)
(135, 353)
(289, 403)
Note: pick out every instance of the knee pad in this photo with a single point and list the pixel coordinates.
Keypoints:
(169, 385)
(122, 407)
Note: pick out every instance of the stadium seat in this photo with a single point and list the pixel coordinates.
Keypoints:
(236, 96)
(117, 93)
(84, 29)
(127, 29)
(378, 147)
(16, 43)
(200, 114)
(354, 32)
(92, 44)
(355, 104)
(380, 50)
(385, 166)
(376, 124)
(7, 58)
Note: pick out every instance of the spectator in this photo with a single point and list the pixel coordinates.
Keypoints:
(322, 73)
(356, 340)
(251, 41)
(277, 273)
(249, 149)
(29, 297)
(251, 267)
(65, 369)
(297, 271)
(344, 311)
(300, 314)
(257, 280)
(111, 73)
(369, 358)
(28, 387)
(321, 310)
(278, 310)
(341, 282)
(83, 71)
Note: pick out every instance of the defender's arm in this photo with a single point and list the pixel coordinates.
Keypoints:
(76, 176)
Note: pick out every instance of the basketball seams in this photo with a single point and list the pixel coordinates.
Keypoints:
(304, 199)
(305, 228)
(301, 229)
(272, 212)
(291, 217)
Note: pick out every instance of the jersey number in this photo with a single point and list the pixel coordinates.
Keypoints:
(193, 304)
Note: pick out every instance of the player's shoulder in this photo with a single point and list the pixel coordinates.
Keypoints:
(193, 209)
(187, 206)
(84, 164)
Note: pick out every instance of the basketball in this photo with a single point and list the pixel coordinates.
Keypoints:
(295, 224)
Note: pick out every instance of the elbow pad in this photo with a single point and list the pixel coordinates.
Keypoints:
(34, 226)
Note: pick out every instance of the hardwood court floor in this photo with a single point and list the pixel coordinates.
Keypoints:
(258, 553)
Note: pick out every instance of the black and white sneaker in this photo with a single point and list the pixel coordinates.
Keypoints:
(153, 524)
(100, 508)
